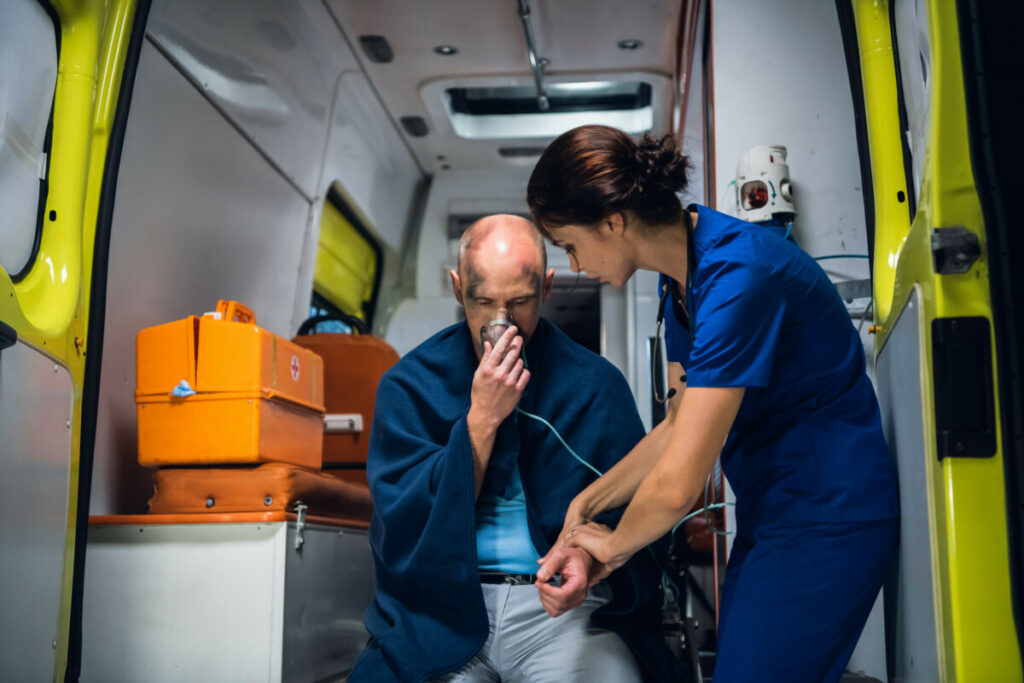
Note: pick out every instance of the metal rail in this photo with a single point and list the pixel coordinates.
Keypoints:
(537, 64)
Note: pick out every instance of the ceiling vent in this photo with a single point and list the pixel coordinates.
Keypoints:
(514, 111)
(377, 49)
(506, 109)
(519, 152)
(415, 126)
(562, 97)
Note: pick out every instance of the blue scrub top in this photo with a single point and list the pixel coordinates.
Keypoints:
(807, 443)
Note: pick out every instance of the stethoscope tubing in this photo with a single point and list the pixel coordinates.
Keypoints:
(691, 264)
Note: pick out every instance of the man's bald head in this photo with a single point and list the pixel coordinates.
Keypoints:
(500, 236)
(502, 274)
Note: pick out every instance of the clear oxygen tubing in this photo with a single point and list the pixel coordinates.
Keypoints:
(668, 585)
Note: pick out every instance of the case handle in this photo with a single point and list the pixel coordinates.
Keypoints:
(232, 311)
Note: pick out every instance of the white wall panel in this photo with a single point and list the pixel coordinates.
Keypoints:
(199, 215)
(780, 78)
(35, 462)
(911, 19)
(28, 61)
(492, 191)
(270, 66)
(283, 74)
(370, 161)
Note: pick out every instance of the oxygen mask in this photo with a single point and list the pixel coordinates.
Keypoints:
(492, 331)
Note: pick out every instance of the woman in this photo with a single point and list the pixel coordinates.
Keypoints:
(770, 366)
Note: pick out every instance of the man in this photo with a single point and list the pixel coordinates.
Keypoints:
(469, 491)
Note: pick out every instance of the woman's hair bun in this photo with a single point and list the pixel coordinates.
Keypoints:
(591, 172)
(660, 165)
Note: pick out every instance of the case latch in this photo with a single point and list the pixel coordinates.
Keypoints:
(300, 524)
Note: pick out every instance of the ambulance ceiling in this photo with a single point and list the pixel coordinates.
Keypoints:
(579, 39)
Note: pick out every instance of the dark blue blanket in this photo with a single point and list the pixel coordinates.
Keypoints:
(428, 617)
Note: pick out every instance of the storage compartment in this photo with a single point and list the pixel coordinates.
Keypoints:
(218, 389)
(353, 366)
(257, 597)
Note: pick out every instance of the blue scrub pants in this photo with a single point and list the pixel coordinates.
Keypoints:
(796, 598)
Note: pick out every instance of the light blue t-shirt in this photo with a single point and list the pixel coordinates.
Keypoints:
(502, 531)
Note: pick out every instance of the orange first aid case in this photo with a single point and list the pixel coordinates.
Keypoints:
(249, 396)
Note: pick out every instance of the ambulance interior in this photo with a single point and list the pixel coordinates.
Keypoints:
(308, 167)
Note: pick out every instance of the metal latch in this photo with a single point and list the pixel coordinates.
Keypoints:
(300, 524)
(954, 250)
(343, 423)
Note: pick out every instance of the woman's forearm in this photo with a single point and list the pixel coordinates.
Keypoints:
(618, 484)
(675, 481)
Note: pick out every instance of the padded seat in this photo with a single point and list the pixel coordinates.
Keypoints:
(268, 487)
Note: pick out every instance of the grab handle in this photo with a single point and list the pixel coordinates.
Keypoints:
(232, 311)
(8, 336)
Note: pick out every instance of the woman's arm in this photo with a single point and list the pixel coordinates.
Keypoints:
(618, 484)
(673, 484)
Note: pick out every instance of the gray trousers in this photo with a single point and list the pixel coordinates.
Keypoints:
(528, 646)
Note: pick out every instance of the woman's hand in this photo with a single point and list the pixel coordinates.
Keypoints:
(601, 543)
(573, 518)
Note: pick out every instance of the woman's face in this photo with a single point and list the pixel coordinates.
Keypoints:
(601, 251)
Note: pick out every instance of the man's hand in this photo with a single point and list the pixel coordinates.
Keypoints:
(498, 382)
(599, 541)
(574, 566)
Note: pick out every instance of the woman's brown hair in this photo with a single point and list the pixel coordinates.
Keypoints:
(591, 172)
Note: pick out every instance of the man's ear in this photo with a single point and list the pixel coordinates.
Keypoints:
(456, 286)
(549, 279)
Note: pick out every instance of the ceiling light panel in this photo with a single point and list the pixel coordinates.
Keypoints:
(579, 37)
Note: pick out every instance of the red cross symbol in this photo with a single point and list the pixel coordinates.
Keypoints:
(295, 368)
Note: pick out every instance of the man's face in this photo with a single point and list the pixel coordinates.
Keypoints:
(510, 286)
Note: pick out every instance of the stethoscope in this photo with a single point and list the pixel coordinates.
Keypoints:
(691, 264)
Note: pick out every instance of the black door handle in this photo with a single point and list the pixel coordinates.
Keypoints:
(8, 337)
